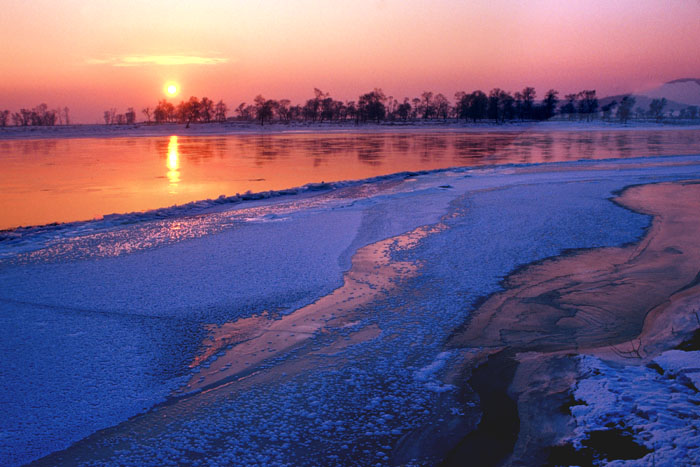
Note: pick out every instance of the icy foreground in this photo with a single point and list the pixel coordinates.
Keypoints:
(304, 329)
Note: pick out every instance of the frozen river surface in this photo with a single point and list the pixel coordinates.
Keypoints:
(303, 329)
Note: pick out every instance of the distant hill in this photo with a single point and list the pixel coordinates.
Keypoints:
(679, 94)
(685, 91)
(684, 80)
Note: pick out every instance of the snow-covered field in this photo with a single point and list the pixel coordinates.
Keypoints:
(307, 328)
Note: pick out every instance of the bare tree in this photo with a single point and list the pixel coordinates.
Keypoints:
(404, 109)
(164, 112)
(656, 108)
(624, 110)
(427, 104)
(283, 109)
(528, 97)
(206, 109)
(587, 103)
(220, 111)
(569, 108)
(692, 112)
(371, 106)
(551, 99)
(493, 110)
(263, 109)
(147, 112)
(442, 106)
(130, 116)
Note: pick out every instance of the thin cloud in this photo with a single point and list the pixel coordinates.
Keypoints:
(157, 60)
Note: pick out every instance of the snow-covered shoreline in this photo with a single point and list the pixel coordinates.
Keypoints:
(244, 128)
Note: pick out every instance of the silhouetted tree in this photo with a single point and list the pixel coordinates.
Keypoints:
(477, 103)
(624, 110)
(312, 108)
(220, 111)
(4, 117)
(283, 110)
(442, 106)
(39, 116)
(507, 106)
(427, 105)
(351, 110)
(206, 109)
(371, 106)
(607, 109)
(164, 112)
(404, 109)
(551, 99)
(587, 103)
(493, 110)
(147, 112)
(692, 112)
(656, 108)
(569, 108)
(263, 109)
(241, 111)
(327, 108)
(415, 108)
(130, 116)
(528, 98)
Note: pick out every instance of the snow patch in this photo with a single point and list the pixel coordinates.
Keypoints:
(428, 374)
(657, 407)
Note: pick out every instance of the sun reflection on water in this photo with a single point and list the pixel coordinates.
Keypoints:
(173, 164)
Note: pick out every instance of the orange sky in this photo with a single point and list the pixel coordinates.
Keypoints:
(93, 55)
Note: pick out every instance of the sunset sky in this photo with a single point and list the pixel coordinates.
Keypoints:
(93, 55)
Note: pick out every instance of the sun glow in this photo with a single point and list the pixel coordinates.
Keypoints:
(171, 89)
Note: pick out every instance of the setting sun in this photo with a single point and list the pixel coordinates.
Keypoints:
(171, 89)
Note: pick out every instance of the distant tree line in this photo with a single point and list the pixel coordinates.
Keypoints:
(40, 115)
(498, 106)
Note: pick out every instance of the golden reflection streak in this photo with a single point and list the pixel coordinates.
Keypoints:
(173, 163)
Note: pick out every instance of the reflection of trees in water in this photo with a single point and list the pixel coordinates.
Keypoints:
(431, 147)
(545, 145)
(400, 144)
(370, 150)
(261, 148)
(322, 149)
(622, 144)
(36, 146)
(423, 150)
(485, 148)
(654, 143)
(584, 145)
